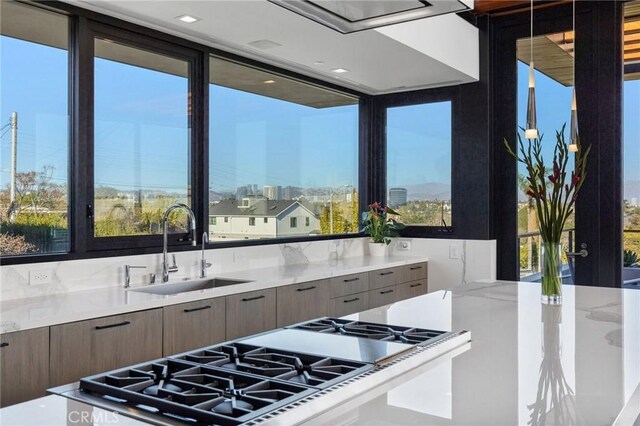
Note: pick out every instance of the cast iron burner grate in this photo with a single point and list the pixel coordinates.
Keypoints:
(311, 370)
(196, 394)
(390, 333)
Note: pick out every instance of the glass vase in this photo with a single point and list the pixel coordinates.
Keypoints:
(551, 273)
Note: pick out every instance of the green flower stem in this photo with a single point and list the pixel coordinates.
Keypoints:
(551, 263)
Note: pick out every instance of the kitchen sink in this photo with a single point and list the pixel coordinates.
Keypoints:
(187, 286)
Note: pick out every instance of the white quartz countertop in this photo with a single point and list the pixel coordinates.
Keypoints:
(527, 364)
(42, 311)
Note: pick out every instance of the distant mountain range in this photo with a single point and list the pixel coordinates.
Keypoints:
(631, 190)
(429, 191)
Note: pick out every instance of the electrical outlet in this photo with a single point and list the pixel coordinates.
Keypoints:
(41, 277)
(454, 251)
(403, 245)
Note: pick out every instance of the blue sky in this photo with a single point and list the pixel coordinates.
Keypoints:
(254, 139)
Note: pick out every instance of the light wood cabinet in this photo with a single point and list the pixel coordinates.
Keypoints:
(89, 347)
(349, 284)
(383, 296)
(412, 289)
(349, 304)
(300, 302)
(24, 365)
(415, 272)
(193, 325)
(250, 313)
(385, 277)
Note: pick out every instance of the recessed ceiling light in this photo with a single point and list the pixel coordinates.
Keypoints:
(339, 70)
(318, 63)
(187, 18)
(264, 44)
(269, 81)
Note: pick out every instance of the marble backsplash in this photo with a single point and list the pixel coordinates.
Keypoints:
(76, 275)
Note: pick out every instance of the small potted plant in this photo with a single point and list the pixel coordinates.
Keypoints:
(631, 270)
(380, 224)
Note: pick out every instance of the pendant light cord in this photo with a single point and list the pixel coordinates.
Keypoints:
(531, 36)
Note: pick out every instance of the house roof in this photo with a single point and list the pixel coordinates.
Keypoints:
(262, 208)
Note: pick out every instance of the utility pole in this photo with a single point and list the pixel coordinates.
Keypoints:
(14, 160)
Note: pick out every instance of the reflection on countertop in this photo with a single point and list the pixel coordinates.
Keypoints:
(528, 364)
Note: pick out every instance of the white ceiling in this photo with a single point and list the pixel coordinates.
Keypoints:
(431, 52)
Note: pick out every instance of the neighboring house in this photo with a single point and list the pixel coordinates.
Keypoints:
(253, 218)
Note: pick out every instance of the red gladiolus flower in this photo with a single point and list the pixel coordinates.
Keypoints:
(531, 194)
(374, 206)
(575, 180)
(552, 178)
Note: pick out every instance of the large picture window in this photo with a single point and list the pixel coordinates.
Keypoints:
(419, 158)
(280, 149)
(142, 140)
(34, 131)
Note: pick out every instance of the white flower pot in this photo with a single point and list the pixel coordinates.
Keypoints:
(377, 249)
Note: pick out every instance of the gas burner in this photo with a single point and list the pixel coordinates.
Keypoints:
(384, 332)
(203, 394)
(312, 370)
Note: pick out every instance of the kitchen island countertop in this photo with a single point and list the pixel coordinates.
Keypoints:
(527, 363)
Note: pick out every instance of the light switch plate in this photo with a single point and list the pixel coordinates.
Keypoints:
(403, 245)
(454, 251)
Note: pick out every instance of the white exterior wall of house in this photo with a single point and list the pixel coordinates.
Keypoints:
(238, 227)
(298, 211)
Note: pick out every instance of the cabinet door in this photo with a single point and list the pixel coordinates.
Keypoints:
(411, 289)
(24, 365)
(415, 272)
(89, 347)
(349, 284)
(350, 304)
(383, 296)
(193, 325)
(250, 313)
(385, 277)
(300, 302)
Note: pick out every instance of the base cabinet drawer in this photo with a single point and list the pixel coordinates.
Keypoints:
(300, 302)
(411, 289)
(193, 325)
(350, 304)
(415, 272)
(349, 284)
(383, 296)
(24, 365)
(250, 313)
(88, 347)
(385, 277)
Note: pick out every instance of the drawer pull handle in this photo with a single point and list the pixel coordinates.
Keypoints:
(351, 280)
(119, 324)
(415, 285)
(387, 291)
(4, 344)
(249, 299)
(386, 273)
(201, 308)
(351, 300)
(415, 267)
(306, 288)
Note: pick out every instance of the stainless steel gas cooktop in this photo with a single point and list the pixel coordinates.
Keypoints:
(240, 381)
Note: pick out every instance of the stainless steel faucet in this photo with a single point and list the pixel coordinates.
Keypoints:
(127, 274)
(165, 231)
(203, 262)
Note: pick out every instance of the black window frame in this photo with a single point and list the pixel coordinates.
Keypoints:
(371, 148)
(97, 30)
(421, 97)
(252, 221)
(293, 222)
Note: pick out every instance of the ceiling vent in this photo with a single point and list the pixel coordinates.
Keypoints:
(348, 16)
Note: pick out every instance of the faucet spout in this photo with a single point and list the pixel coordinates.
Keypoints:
(165, 233)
